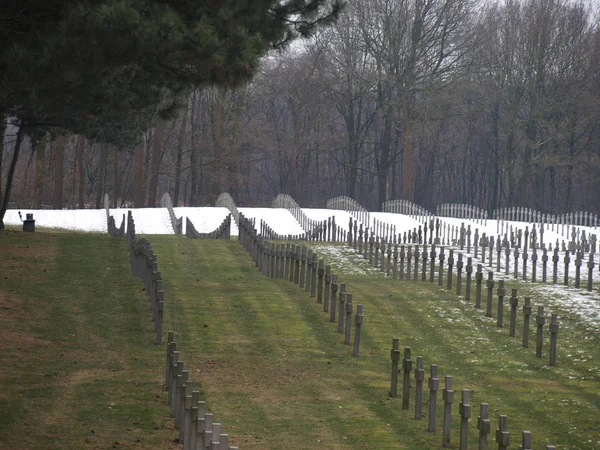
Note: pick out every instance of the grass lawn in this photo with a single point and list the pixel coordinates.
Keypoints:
(275, 372)
(78, 367)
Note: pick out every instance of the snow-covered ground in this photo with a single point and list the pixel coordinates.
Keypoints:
(280, 220)
(91, 220)
(156, 221)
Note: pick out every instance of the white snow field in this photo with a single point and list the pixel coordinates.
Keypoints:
(91, 220)
(279, 219)
(147, 220)
(584, 304)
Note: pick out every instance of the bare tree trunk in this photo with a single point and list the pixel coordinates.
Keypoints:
(72, 202)
(180, 141)
(116, 179)
(234, 153)
(383, 168)
(147, 156)
(59, 169)
(80, 151)
(10, 176)
(293, 178)
(102, 176)
(407, 150)
(157, 141)
(139, 195)
(40, 156)
(2, 134)
(219, 183)
(193, 156)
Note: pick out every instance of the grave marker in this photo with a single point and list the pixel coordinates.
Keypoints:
(490, 294)
(448, 397)
(419, 378)
(358, 321)
(484, 426)
(395, 355)
(553, 338)
(334, 288)
(502, 434)
(348, 329)
(434, 385)
(465, 413)
(406, 367)
(540, 320)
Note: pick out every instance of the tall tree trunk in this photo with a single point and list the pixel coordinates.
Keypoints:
(59, 169)
(102, 176)
(384, 159)
(494, 188)
(234, 152)
(407, 150)
(293, 185)
(10, 176)
(570, 167)
(193, 156)
(219, 183)
(116, 179)
(72, 198)
(180, 142)
(2, 133)
(193, 176)
(139, 194)
(157, 141)
(40, 157)
(511, 164)
(80, 151)
(147, 158)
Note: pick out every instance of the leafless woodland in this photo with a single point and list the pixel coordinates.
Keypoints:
(488, 103)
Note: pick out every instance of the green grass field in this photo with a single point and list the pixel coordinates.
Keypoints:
(79, 354)
(78, 367)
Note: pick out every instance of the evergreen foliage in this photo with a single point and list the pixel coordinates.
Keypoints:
(110, 69)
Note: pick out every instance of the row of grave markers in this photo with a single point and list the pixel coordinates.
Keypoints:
(462, 211)
(310, 226)
(351, 206)
(144, 266)
(226, 201)
(198, 429)
(522, 246)
(484, 426)
(302, 267)
(326, 231)
(405, 207)
(223, 231)
(520, 214)
(176, 223)
(417, 263)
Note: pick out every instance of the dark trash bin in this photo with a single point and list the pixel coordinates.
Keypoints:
(29, 223)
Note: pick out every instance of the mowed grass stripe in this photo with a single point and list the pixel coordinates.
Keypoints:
(284, 395)
(79, 368)
(435, 323)
(468, 346)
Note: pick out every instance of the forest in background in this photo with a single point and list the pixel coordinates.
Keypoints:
(434, 101)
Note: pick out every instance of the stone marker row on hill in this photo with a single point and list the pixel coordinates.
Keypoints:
(483, 424)
(197, 428)
(416, 262)
(302, 266)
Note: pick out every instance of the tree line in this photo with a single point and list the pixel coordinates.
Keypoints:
(109, 70)
(434, 101)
